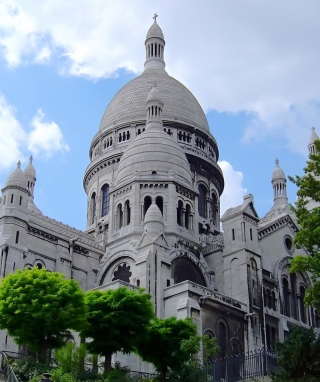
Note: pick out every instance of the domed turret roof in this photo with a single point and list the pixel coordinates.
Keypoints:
(30, 170)
(153, 150)
(278, 172)
(128, 105)
(17, 178)
(154, 95)
(155, 31)
(153, 214)
(314, 137)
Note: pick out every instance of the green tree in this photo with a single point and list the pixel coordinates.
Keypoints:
(117, 319)
(39, 308)
(169, 344)
(299, 357)
(308, 236)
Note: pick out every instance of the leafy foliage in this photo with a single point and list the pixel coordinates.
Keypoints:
(169, 344)
(309, 221)
(38, 309)
(26, 368)
(299, 357)
(117, 320)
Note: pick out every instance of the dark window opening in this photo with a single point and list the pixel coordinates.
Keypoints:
(188, 217)
(128, 212)
(233, 235)
(17, 237)
(105, 200)
(202, 200)
(12, 198)
(94, 207)
(20, 201)
(179, 213)
(146, 205)
(159, 203)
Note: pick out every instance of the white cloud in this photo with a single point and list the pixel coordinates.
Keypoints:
(12, 136)
(258, 57)
(233, 191)
(45, 136)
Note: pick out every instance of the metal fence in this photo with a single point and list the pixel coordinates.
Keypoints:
(243, 366)
(7, 369)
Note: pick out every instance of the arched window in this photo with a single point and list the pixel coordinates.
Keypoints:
(127, 212)
(222, 339)
(274, 302)
(120, 216)
(302, 307)
(105, 200)
(146, 204)
(202, 200)
(159, 203)
(286, 303)
(214, 208)
(93, 207)
(293, 281)
(188, 217)
(179, 213)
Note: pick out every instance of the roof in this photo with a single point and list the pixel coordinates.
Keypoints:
(129, 104)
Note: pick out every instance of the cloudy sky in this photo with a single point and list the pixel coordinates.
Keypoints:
(252, 64)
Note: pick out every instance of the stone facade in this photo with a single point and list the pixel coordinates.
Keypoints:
(153, 190)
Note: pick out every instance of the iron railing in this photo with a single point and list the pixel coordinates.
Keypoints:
(6, 369)
(242, 366)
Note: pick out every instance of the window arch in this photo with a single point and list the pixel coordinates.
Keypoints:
(214, 208)
(179, 213)
(302, 307)
(105, 200)
(93, 207)
(146, 204)
(286, 303)
(188, 217)
(159, 203)
(127, 212)
(120, 216)
(202, 200)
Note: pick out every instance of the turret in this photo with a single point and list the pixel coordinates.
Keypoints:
(279, 182)
(154, 46)
(30, 174)
(314, 137)
(15, 194)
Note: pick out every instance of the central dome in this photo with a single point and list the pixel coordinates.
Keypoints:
(128, 105)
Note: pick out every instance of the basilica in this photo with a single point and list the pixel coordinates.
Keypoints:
(153, 189)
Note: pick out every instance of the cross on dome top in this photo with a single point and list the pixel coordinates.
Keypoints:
(31, 159)
(277, 162)
(155, 17)
(19, 164)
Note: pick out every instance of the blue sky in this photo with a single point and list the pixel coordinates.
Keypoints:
(253, 65)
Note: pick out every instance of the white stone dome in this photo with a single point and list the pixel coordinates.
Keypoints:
(153, 151)
(155, 32)
(153, 220)
(30, 171)
(278, 172)
(17, 178)
(180, 105)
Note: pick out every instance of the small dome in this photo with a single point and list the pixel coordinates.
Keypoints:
(17, 178)
(153, 151)
(155, 31)
(154, 95)
(153, 219)
(29, 171)
(278, 172)
(153, 214)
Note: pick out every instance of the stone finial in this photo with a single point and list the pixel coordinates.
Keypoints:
(313, 128)
(155, 17)
(19, 164)
(277, 162)
(31, 159)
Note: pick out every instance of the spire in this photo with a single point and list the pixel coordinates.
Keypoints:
(154, 47)
(314, 137)
(279, 185)
(154, 106)
(31, 177)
